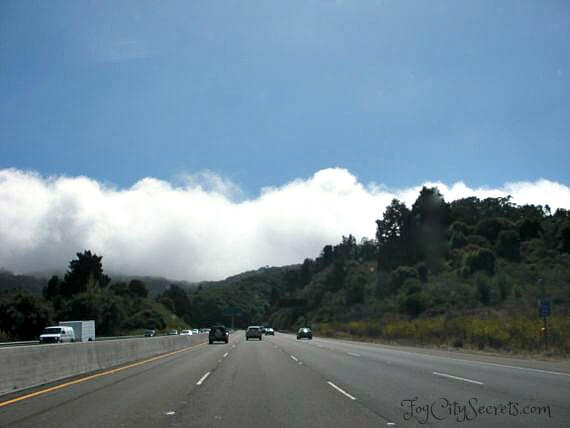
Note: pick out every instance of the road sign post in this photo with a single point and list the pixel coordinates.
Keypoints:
(544, 311)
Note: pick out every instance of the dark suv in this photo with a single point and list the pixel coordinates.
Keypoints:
(304, 332)
(218, 333)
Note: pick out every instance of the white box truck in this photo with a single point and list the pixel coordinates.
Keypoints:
(84, 330)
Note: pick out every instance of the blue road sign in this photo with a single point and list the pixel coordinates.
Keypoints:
(545, 309)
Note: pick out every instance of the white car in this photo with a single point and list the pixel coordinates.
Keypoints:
(57, 334)
(186, 333)
(195, 331)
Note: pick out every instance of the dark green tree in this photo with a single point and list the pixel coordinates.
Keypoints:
(176, 299)
(53, 288)
(137, 288)
(508, 244)
(23, 316)
(87, 267)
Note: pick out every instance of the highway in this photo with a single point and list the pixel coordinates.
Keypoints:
(280, 381)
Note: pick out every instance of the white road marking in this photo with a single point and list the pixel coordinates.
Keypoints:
(341, 390)
(294, 358)
(225, 355)
(461, 360)
(203, 378)
(354, 354)
(512, 367)
(458, 378)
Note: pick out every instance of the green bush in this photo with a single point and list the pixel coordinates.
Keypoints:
(458, 240)
(480, 259)
(508, 244)
(400, 275)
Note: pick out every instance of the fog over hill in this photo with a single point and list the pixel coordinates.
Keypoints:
(203, 228)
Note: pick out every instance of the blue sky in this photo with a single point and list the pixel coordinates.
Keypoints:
(146, 131)
(263, 92)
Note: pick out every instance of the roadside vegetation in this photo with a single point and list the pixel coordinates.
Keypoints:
(465, 274)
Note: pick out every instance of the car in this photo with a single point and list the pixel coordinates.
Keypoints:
(57, 334)
(253, 331)
(173, 333)
(218, 333)
(304, 332)
(186, 333)
(149, 333)
(269, 331)
(195, 331)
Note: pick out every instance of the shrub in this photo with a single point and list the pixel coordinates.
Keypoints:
(508, 244)
(459, 227)
(422, 271)
(491, 227)
(414, 304)
(480, 259)
(458, 240)
(400, 275)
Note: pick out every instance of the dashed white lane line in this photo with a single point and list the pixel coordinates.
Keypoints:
(342, 391)
(225, 355)
(458, 378)
(294, 358)
(354, 354)
(203, 378)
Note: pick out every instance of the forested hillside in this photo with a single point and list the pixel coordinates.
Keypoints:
(465, 273)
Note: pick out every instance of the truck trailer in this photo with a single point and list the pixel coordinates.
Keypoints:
(84, 330)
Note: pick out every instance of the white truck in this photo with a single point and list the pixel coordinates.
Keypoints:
(84, 330)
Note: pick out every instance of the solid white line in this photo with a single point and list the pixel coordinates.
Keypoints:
(458, 378)
(439, 357)
(354, 354)
(341, 390)
(513, 367)
(203, 378)
(294, 358)
(225, 355)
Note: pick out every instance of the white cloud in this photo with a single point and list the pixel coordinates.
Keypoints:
(199, 230)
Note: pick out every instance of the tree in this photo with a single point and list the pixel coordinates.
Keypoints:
(355, 290)
(466, 210)
(458, 240)
(395, 237)
(508, 244)
(430, 207)
(23, 316)
(400, 275)
(479, 259)
(138, 288)
(491, 227)
(564, 237)
(86, 267)
(53, 288)
(306, 272)
(177, 300)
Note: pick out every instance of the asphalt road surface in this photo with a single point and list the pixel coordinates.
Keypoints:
(280, 381)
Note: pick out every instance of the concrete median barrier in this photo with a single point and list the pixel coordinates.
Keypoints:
(29, 366)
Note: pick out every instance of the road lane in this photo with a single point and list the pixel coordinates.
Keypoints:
(137, 396)
(259, 385)
(320, 383)
(382, 378)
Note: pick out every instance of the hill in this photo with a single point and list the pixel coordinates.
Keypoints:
(467, 274)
